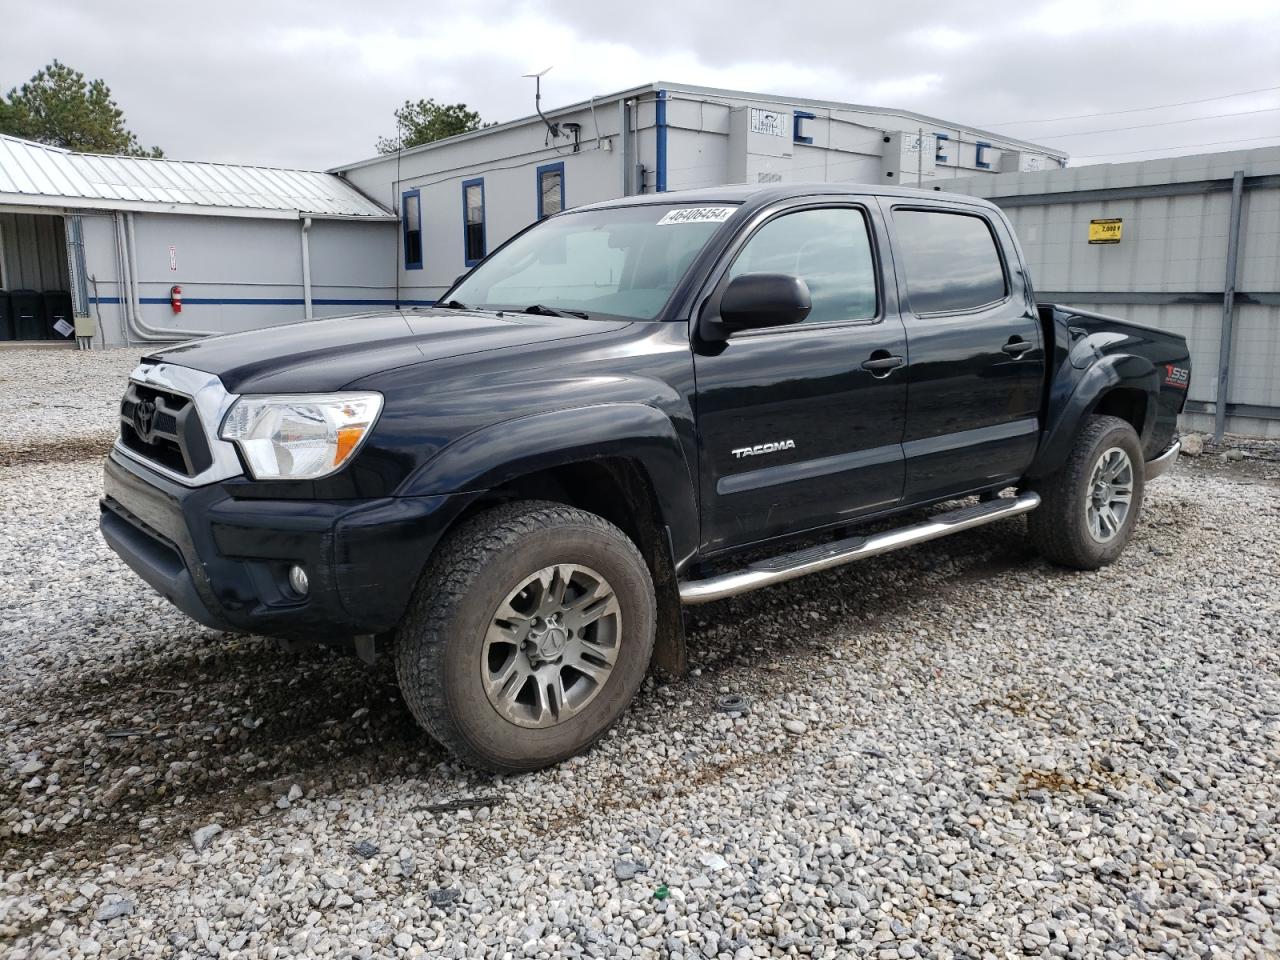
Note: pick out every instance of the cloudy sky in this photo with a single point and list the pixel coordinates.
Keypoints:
(314, 83)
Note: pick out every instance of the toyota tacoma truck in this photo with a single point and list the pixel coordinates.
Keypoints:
(630, 407)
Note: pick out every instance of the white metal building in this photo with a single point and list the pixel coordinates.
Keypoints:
(463, 196)
(251, 246)
(248, 246)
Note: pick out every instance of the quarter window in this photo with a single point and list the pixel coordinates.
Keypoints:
(411, 217)
(830, 249)
(473, 221)
(951, 261)
(550, 189)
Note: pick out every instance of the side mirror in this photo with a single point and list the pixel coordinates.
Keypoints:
(754, 301)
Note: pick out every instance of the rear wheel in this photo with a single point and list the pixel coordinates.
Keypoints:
(1089, 508)
(528, 636)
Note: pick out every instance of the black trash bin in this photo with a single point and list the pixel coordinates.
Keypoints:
(57, 307)
(6, 316)
(28, 315)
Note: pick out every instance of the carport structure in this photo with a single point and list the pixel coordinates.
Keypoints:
(95, 244)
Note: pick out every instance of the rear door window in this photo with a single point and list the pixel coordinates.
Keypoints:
(951, 261)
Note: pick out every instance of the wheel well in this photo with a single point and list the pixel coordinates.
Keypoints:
(618, 490)
(1127, 403)
(613, 488)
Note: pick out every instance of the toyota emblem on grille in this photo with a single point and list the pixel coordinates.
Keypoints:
(144, 416)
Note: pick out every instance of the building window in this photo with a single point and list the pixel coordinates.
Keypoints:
(411, 224)
(980, 155)
(797, 132)
(550, 189)
(473, 221)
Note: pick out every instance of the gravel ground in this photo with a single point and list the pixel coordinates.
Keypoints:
(67, 402)
(955, 751)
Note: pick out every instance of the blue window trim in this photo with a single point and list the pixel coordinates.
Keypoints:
(484, 240)
(977, 156)
(938, 155)
(660, 128)
(797, 117)
(557, 167)
(404, 230)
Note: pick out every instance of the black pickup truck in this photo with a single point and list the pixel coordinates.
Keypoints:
(654, 401)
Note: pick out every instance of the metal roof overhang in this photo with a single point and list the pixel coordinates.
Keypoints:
(58, 205)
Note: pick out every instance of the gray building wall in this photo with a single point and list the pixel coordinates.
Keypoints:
(708, 143)
(238, 273)
(1169, 269)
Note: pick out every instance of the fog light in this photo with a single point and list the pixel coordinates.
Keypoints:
(298, 580)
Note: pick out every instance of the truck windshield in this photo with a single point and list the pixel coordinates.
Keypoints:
(620, 262)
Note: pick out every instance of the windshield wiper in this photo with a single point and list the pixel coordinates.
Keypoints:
(544, 311)
(453, 305)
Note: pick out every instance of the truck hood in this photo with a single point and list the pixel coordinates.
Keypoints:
(324, 355)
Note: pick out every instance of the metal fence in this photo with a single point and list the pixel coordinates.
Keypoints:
(1197, 253)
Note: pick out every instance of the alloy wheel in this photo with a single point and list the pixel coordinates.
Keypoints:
(1110, 494)
(551, 645)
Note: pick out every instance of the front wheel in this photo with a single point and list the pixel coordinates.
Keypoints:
(1090, 506)
(529, 634)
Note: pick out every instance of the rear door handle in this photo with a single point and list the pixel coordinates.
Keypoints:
(1016, 348)
(882, 364)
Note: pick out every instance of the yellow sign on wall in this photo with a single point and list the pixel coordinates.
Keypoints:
(1105, 231)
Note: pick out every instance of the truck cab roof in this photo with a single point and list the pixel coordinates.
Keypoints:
(756, 195)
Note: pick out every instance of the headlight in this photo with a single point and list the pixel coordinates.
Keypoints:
(300, 436)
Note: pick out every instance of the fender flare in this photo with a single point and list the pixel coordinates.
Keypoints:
(1067, 416)
(505, 451)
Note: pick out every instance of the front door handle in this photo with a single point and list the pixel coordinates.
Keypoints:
(881, 363)
(1017, 347)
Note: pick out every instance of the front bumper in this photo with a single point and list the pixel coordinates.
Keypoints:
(224, 560)
(1163, 463)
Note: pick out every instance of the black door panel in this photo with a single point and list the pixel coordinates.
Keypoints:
(805, 386)
(794, 432)
(977, 369)
(981, 456)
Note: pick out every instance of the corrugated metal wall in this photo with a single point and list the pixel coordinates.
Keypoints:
(34, 252)
(1169, 269)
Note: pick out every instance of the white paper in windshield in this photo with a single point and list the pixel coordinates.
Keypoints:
(697, 215)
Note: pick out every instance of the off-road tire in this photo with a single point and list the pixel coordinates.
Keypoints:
(438, 646)
(1059, 527)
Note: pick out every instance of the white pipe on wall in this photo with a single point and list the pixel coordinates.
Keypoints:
(124, 302)
(306, 268)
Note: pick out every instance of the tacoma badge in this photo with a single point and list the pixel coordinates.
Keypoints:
(776, 447)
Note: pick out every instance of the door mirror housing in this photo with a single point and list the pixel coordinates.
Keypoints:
(754, 301)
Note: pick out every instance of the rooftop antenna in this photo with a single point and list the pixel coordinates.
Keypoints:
(553, 129)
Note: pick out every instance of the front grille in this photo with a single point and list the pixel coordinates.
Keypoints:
(164, 427)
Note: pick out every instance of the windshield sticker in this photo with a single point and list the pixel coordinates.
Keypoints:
(697, 215)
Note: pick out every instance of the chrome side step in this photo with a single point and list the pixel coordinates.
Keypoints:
(788, 566)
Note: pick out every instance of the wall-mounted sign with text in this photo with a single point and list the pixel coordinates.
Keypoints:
(1105, 231)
